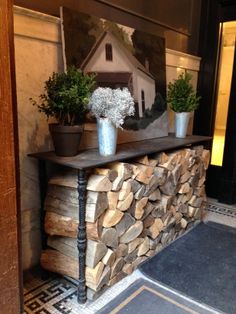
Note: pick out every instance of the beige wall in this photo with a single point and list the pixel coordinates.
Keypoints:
(37, 54)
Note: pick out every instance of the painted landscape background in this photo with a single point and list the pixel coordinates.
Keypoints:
(121, 57)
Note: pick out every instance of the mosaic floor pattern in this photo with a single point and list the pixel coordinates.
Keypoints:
(222, 209)
(53, 296)
(57, 295)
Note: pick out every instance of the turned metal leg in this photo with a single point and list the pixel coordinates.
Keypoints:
(81, 237)
(43, 182)
(43, 191)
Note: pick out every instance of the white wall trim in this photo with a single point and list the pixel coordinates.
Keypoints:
(182, 60)
(35, 14)
(37, 26)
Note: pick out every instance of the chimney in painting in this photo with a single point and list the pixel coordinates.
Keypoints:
(147, 64)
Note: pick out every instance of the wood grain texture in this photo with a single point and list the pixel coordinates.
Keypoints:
(9, 262)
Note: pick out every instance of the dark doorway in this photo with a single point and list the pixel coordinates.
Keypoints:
(217, 82)
(221, 182)
(223, 102)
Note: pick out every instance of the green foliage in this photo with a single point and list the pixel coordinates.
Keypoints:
(181, 95)
(66, 96)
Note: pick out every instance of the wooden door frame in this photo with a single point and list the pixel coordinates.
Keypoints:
(11, 297)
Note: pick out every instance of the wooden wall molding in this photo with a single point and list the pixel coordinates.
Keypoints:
(183, 60)
(10, 270)
(25, 17)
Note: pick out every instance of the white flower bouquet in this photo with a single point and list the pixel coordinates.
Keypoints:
(113, 104)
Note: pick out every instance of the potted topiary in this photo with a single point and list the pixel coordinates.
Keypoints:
(183, 100)
(110, 107)
(65, 99)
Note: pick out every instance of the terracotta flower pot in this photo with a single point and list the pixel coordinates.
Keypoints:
(66, 139)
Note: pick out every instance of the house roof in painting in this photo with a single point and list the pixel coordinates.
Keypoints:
(127, 53)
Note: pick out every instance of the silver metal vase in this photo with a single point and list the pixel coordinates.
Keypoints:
(107, 137)
(181, 124)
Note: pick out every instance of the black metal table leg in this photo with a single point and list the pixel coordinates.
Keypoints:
(43, 183)
(43, 190)
(81, 236)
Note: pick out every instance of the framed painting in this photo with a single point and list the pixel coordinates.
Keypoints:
(121, 57)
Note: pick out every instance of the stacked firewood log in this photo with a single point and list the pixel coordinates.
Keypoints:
(133, 210)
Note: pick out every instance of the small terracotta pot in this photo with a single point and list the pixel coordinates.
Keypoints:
(66, 138)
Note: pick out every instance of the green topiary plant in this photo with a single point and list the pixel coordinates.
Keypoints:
(66, 96)
(181, 95)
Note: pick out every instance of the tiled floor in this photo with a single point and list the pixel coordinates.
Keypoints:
(57, 295)
(221, 213)
(52, 296)
(224, 209)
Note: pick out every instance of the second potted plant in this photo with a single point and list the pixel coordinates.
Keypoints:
(183, 100)
(110, 107)
(65, 99)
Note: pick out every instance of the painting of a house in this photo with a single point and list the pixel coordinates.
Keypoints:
(121, 57)
(117, 67)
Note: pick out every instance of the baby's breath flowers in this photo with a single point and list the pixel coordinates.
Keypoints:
(113, 104)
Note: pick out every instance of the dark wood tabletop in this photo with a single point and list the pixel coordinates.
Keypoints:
(90, 158)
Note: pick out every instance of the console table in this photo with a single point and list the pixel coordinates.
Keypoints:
(88, 159)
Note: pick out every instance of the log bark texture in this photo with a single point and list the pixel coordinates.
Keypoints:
(133, 211)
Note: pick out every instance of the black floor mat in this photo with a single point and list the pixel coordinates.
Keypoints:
(145, 297)
(201, 264)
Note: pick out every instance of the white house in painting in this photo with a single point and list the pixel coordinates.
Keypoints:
(117, 67)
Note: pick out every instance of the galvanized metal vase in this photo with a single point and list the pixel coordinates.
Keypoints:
(107, 137)
(181, 124)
